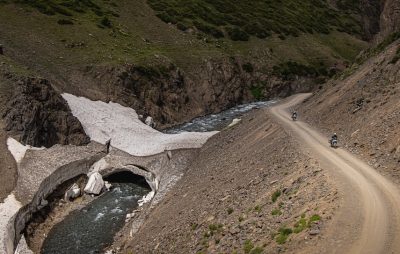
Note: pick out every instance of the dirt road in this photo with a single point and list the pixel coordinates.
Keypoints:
(368, 220)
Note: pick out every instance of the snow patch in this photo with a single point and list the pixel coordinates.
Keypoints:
(18, 150)
(103, 121)
(8, 209)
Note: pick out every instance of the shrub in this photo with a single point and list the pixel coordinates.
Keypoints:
(283, 235)
(313, 218)
(300, 225)
(105, 22)
(276, 212)
(230, 210)
(275, 195)
(248, 67)
(256, 91)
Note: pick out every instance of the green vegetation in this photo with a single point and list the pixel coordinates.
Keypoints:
(259, 18)
(303, 223)
(289, 70)
(300, 225)
(194, 226)
(276, 212)
(313, 218)
(276, 195)
(248, 246)
(283, 235)
(230, 210)
(65, 7)
(257, 208)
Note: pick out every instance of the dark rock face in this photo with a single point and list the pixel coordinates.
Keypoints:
(39, 116)
(390, 18)
(171, 96)
(370, 15)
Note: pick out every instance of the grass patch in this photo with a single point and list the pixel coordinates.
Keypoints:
(283, 235)
(259, 18)
(276, 212)
(300, 225)
(275, 195)
(257, 208)
(313, 218)
(248, 246)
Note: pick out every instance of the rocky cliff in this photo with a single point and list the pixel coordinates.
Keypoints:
(39, 116)
(390, 17)
(172, 95)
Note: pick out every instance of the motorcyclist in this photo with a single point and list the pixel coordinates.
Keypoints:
(334, 138)
(294, 115)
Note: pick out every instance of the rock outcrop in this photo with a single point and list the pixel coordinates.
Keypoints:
(172, 95)
(39, 116)
(390, 17)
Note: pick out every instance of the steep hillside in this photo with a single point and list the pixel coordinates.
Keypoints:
(250, 190)
(363, 107)
(122, 51)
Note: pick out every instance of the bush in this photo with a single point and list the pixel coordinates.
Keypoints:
(105, 22)
(230, 210)
(283, 235)
(275, 195)
(313, 218)
(276, 212)
(248, 67)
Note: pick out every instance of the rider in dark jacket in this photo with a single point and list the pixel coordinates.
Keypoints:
(334, 136)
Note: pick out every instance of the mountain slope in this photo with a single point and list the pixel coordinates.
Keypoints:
(363, 108)
(123, 52)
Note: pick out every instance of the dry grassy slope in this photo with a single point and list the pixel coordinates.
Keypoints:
(224, 199)
(138, 36)
(206, 77)
(364, 109)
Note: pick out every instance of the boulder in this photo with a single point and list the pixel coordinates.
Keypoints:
(73, 192)
(95, 184)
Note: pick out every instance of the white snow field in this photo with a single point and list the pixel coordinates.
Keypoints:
(102, 121)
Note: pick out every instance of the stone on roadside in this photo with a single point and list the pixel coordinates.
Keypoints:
(314, 232)
(95, 184)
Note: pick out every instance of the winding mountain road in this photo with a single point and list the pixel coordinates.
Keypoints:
(368, 219)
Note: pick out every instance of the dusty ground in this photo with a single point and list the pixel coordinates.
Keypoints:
(223, 204)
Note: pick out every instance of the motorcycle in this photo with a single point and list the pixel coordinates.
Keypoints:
(294, 117)
(334, 143)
